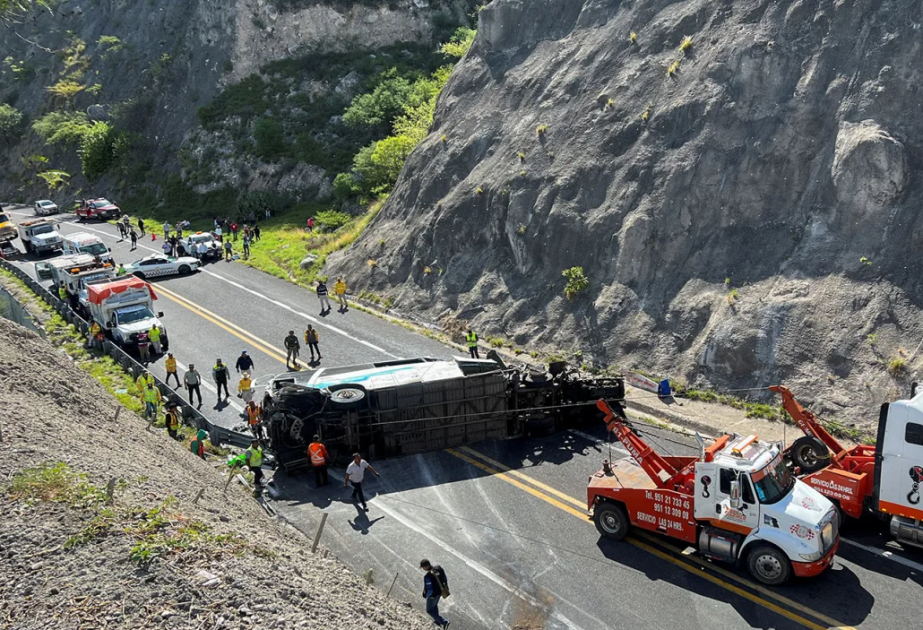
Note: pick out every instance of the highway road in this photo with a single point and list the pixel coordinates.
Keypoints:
(507, 519)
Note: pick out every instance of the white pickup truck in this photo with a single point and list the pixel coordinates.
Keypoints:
(124, 308)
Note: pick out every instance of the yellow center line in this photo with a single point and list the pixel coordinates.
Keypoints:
(512, 477)
(224, 324)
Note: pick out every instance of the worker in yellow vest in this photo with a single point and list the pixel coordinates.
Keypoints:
(245, 388)
(171, 419)
(144, 380)
(254, 456)
(472, 339)
(95, 335)
(62, 292)
(170, 365)
(152, 400)
(155, 338)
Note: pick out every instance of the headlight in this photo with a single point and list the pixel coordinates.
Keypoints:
(811, 557)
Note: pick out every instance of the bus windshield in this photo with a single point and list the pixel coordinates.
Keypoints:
(773, 482)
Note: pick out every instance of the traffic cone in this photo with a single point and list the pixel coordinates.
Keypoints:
(153, 237)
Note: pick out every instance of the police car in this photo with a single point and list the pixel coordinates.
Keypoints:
(157, 265)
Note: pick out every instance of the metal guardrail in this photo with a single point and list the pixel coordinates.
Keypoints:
(190, 415)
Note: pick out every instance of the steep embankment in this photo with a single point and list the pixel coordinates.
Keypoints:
(151, 557)
(736, 179)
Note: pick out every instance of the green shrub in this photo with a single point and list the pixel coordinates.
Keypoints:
(332, 219)
(897, 366)
(110, 43)
(460, 43)
(392, 96)
(576, 282)
(62, 127)
(258, 201)
(96, 150)
(270, 138)
(11, 120)
(345, 186)
(379, 164)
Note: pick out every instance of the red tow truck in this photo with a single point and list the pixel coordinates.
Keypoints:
(882, 480)
(736, 502)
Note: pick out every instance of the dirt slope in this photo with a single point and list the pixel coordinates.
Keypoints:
(744, 208)
(68, 563)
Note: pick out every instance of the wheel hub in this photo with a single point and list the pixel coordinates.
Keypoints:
(769, 567)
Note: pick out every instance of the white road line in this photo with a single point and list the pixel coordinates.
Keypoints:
(264, 297)
(885, 554)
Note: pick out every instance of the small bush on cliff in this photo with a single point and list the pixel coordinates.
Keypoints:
(460, 43)
(10, 121)
(576, 282)
(270, 138)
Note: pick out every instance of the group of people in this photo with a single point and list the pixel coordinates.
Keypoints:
(323, 293)
(293, 346)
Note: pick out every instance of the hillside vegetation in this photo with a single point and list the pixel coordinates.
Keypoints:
(718, 192)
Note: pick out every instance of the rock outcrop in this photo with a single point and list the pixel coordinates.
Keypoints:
(737, 179)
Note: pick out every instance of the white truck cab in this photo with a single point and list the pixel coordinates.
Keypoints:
(747, 490)
(125, 308)
(898, 474)
(86, 243)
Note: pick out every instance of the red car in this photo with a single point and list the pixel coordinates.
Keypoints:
(101, 209)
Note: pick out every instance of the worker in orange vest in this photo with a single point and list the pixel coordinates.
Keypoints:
(253, 412)
(318, 454)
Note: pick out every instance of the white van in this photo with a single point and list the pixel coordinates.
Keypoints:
(86, 243)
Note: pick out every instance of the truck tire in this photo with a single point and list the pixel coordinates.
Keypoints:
(611, 520)
(347, 396)
(809, 454)
(769, 565)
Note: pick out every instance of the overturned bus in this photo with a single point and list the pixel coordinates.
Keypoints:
(409, 406)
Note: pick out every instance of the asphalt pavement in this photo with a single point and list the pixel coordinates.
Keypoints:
(507, 519)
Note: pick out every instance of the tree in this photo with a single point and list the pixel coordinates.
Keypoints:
(11, 120)
(96, 150)
(270, 138)
(379, 164)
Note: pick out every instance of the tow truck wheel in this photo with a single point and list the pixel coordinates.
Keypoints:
(809, 454)
(769, 565)
(611, 520)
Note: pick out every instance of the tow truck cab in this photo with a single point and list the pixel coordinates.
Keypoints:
(898, 475)
(737, 503)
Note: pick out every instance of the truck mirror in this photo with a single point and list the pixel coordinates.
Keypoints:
(159, 313)
(735, 495)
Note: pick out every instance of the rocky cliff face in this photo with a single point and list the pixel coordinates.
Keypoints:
(744, 204)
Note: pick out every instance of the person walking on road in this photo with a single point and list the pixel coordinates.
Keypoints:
(355, 473)
(170, 365)
(340, 289)
(472, 339)
(244, 362)
(155, 338)
(254, 414)
(197, 446)
(171, 419)
(245, 387)
(322, 296)
(292, 347)
(435, 587)
(141, 226)
(221, 376)
(122, 231)
(254, 456)
(311, 337)
(318, 454)
(167, 248)
(192, 382)
(134, 239)
(152, 400)
(228, 251)
(144, 348)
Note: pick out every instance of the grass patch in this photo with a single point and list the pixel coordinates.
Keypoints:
(897, 366)
(54, 483)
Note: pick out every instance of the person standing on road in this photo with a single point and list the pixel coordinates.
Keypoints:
(221, 376)
(197, 446)
(472, 339)
(355, 473)
(322, 296)
(254, 456)
(292, 347)
(200, 251)
(435, 587)
(122, 231)
(244, 362)
(155, 338)
(245, 387)
(152, 400)
(340, 289)
(228, 253)
(191, 381)
(144, 348)
(121, 271)
(171, 419)
(167, 247)
(254, 413)
(170, 365)
(141, 226)
(134, 239)
(166, 230)
(311, 337)
(318, 454)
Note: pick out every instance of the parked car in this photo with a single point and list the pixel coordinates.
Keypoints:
(189, 245)
(44, 207)
(101, 209)
(157, 265)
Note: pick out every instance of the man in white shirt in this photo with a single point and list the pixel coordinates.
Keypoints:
(355, 473)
